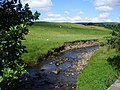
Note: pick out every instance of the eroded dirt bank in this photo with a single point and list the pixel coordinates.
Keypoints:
(72, 45)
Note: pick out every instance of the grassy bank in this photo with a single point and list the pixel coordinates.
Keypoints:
(44, 36)
(98, 74)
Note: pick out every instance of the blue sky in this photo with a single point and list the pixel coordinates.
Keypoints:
(77, 10)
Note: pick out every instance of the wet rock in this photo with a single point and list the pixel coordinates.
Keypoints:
(51, 63)
(61, 85)
(72, 74)
(42, 70)
(71, 70)
(67, 75)
(57, 71)
(59, 62)
(67, 85)
(73, 87)
(57, 87)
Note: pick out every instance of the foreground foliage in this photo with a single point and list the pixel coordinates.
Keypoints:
(14, 21)
(100, 71)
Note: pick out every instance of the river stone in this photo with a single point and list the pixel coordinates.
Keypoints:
(115, 86)
(57, 71)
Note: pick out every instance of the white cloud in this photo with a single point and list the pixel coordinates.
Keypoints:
(104, 8)
(67, 12)
(96, 19)
(107, 2)
(60, 18)
(80, 13)
(52, 15)
(39, 4)
(106, 5)
(55, 17)
(104, 15)
(75, 18)
(118, 19)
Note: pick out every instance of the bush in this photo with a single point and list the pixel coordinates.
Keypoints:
(14, 22)
(114, 39)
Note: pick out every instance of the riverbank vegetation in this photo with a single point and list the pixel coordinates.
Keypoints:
(99, 74)
(44, 36)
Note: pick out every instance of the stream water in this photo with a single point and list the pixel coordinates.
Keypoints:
(58, 72)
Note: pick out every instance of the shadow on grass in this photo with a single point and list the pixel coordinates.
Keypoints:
(115, 62)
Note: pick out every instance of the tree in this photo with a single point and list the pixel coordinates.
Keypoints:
(36, 15)
(14, 22)
(114, 39)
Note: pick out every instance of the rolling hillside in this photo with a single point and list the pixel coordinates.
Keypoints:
(44, 36)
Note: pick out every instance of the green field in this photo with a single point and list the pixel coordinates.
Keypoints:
(44, 36)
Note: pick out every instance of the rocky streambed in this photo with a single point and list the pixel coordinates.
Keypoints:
(59, 72)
